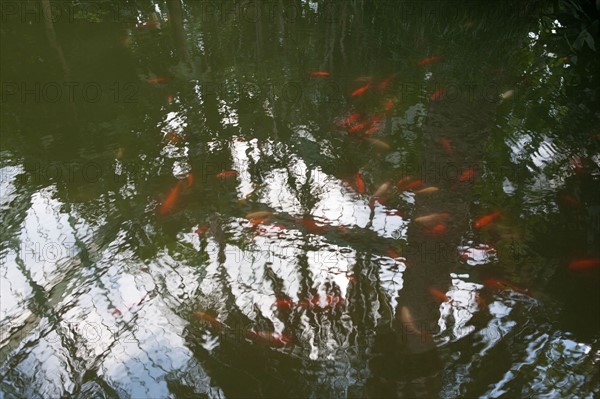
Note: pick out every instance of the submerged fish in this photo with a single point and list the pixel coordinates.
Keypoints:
(584, 264)
(427, 190)
(227, 173)
(377, 143)
(361, 90)
(258, 215)
(428, 60)
(439, 295)
(360, 185)
(467, 175)
(319, 74)
(433, 218)
(171, 199)
(157, 80)
(485, 220)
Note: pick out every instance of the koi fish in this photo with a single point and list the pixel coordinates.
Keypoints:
(201, 230)
(271, 338)
(351, 119)
(392, 253)
(577, 165)
(157, 80)
(384, 84)
(467, 175)
(584, 264)
(171, 199)
(428, 60)
(311, 225)
(569, 199)
(170, 99)
(258, 215)
(316, 301)
(361, 90)
(507, 94)
(439, 229)
(403, 181)
(319, 74)
(377, 143)
(433, 218)
(227, 173)
(358, 127)
(500, 285)
(381, 190)
(437, 95)
(412, 184)
(482, 303)
(484, 221)
(284, 303)
(374, 129)
(427, 190)
(389, 104)
(149, 24)
(214, 323)
(360, 185)
(439, 295)
(447, 145)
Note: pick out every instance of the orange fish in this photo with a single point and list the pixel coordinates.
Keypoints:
(433, 218)
(439, 295)
(284, 303)
(271, 338)
(413, 184)
(157, 80)
(389, 104)
(358, 127)
(384, 84)
(320, 74)
(437, 95)
(360, 185)
(428, 190)
(351, 119)
(361, 90)
(484, 221)
(171, 199)
(201, 230)
(500, 285)
(584, 264)
(227, 173)
(382, 190)
(402, 182)
(392, 253)
(428, 60)
(467, 175)
(173, 137)
(482, 303)
(149, 24)
(374, 129)
(258, 215)
(447, 145)
(214, 323)
(439, 229)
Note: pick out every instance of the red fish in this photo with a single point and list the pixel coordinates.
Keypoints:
(201, 230)
(173, 137)
(402, 182)
(227, 173)
(330, 301)
(439, 229)
(360, 185)
(437, 95)
(428, 60)
(170, 99)
(374, 129)
(384, 84)
(569, 199)
(447, 145)
(361, 90)
(584, 264)
(577, 165)
(392, 253)
(284, 303)
(319, 74)
(171, 199)
(351, 119)
(484, 221)
(413, 184)
(467, 175)
(358, 127)
(389, 104)
(439, 295)
(157, 80)
(214, 323)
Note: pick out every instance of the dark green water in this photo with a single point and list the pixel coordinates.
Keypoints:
(131, 268)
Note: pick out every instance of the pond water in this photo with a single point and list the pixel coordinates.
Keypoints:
(297, 198)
